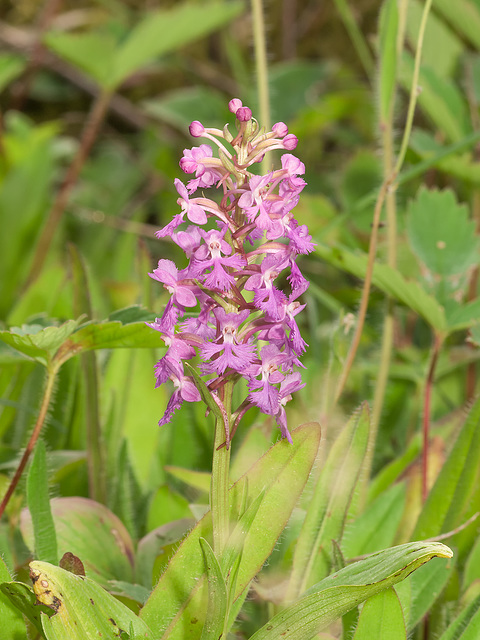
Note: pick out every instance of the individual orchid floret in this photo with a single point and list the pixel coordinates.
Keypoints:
(172, 279)
(226, 351)
(235, 303)
(169, 368)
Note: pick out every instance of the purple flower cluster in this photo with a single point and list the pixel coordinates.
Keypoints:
(227, 302)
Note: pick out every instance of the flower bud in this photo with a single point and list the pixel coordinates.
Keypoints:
(234, 105)
(197, 129)
(280, 129)
(244, 114)
(290, 142)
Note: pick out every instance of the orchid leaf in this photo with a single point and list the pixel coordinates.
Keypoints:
(342, 591)
(176, 608)
(381, 617)
(329, 505)
(217, 595)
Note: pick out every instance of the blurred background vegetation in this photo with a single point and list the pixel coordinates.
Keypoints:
(96, 99)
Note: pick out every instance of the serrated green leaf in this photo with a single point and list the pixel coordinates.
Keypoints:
(329, 504)
(84, 611)
(344, 590)
(39, 505)
(13, 625)
(387, 58)
(115, 335)
(92, 52)
(176, 608)
(37, 342)
(390, 281)
(462, 316)
(176, 27)
(381, 617)
(217, 595)
(440, 232)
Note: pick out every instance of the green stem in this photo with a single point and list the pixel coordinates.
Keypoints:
(219, 503)
(414, 90)
(47, 395)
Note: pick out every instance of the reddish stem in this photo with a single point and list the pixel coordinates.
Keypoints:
(426, 413)
(33, 439)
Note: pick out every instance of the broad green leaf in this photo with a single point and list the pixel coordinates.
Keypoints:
(387, 76)
(168, 30)
(451, 492)
(84, 611)
(329, 504)
(37, 342)
(91, 532)
(217, 595)
(157, 543)
(92, 52)
(12, 623)
(440, 232)
(39, 506)
(381, 617)
(422, 589)
(11, 67)
(344, 590)
(375, 528)
(466, 625)
(22, 598)
(390, 281)
(176, 608)
(439, 98)
(464, 16)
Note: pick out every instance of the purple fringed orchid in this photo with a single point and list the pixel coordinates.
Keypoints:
(229, 305)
